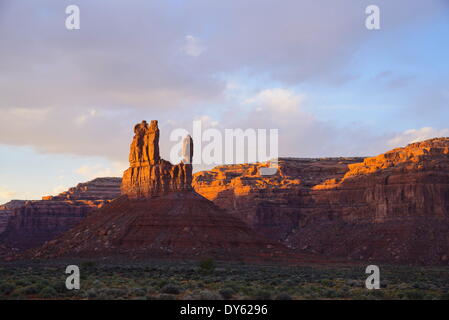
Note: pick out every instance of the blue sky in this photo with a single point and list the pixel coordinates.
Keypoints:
(69, 99)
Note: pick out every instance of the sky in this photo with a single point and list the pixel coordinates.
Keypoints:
(311, 69)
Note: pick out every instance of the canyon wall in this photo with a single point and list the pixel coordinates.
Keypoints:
(36, 221)
(273, 205)
(393, 207)
(160, 215)
(7, 211)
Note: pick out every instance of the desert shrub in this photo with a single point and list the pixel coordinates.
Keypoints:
(204, 295)
(22, 283)
(412, 295)
(262, 295)
(6, 288)
(431, 296)
(87, 265)
(171, 289)
(33, 289)
(283, 296)
(289, 283)
(354, 283)
(227, 293)
(275, 282)
(92, 293)
(115, 292)
(166, 296)
(48, 292)
(445, 295)
(207, 265)
(424, 286)
(327, 282)
(17, 295)
(97, 284)
(60, 287)
(330, 293)
(138, 292)
(161, 283)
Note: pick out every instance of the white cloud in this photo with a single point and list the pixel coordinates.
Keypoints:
(278, 99)
(33, 114)
(415, 135)
(81, 119)
(193, 46)
(207, 121)
(5, 193)
(98, 170)
(59, 189)
(128, 74)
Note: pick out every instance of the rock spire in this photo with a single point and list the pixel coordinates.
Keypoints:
(148, 174)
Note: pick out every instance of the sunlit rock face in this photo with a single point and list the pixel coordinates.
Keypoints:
(148, 174)
(160, 215)
(274, 205)
(392, 207)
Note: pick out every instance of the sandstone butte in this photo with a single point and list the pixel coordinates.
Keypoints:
(148, 174)
(26, 224)
(159, 215)
(392, 208)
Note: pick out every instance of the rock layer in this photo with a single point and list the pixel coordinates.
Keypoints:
(7, 211)
(97, 189)
(35, 222)
(149, 175)
(159, 215)
(176, 225)
(393, 207)
(272, 205)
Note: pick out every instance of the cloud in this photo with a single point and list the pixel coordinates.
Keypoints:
(278, 100)
(59, 189)
(79, 131)
(127, 56)
(5, 193)
(415, 135)
(193, 46)
(96, 171)
(125, 64)
(301, 134)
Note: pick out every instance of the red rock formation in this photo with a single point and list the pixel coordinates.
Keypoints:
(269, 204)
(35, 222)
(160, 215)
(393, 207)
(149, 175)
(175, 225)
(97, 189)
(7, 211)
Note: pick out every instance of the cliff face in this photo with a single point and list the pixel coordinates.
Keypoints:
(149, 175)
(34, 222)
(7, 211)
(160, 215)
(272, 205)
(403, 183)
(393, 207)
(97, 189)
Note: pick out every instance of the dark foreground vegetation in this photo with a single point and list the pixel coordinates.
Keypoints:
(209, 280)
